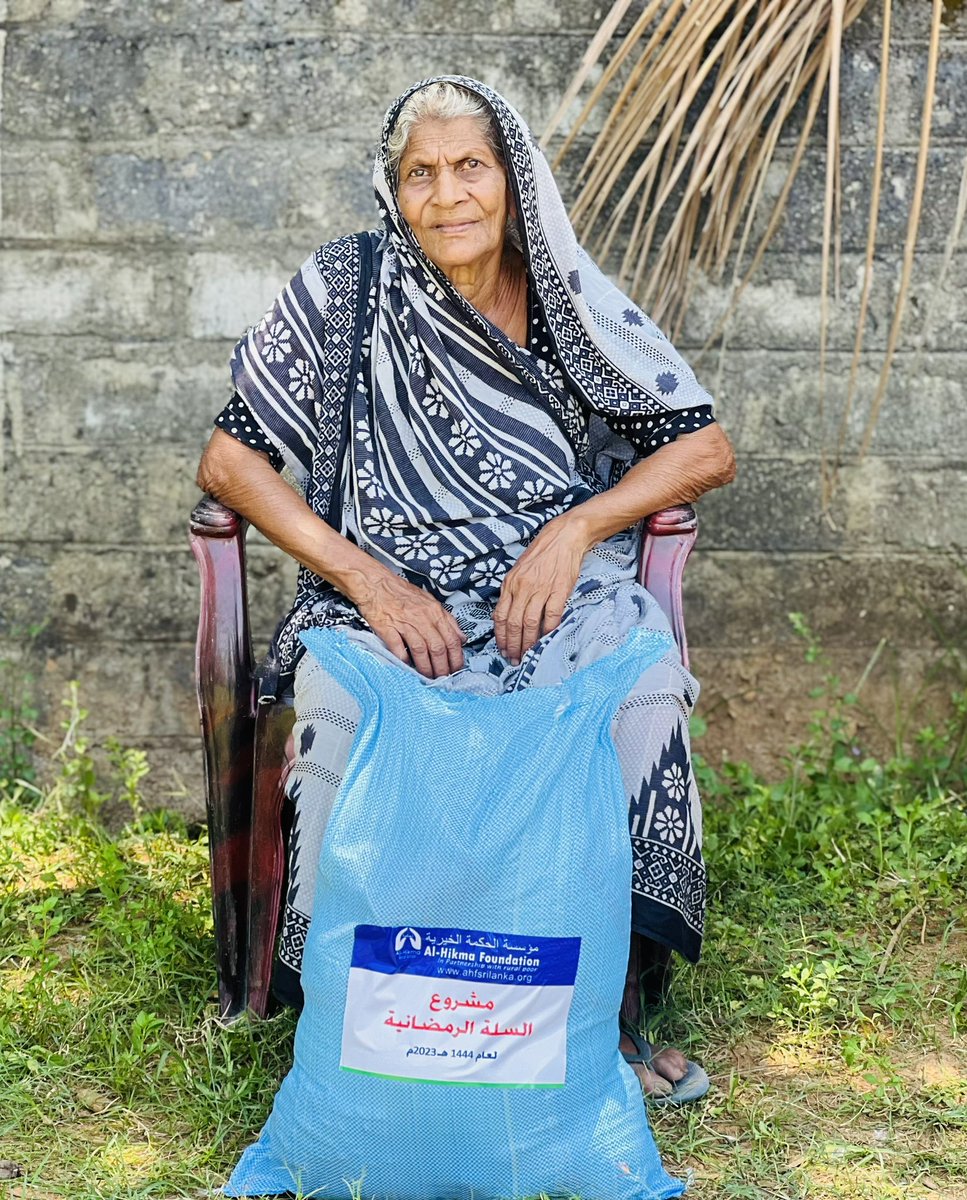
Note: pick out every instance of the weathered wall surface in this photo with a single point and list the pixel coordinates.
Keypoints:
(166, 166)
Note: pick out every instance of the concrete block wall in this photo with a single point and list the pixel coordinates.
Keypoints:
(166, 166)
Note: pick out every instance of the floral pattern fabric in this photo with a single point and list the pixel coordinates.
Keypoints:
(460, 444)
(422, 432)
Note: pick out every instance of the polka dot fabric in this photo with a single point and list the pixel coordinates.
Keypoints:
(236, 419)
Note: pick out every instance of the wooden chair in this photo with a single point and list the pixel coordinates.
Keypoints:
(248, 745)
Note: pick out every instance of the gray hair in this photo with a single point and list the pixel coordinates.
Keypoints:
(445, 102)
(439, 102)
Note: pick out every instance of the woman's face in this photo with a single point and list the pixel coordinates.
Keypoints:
(453, 193)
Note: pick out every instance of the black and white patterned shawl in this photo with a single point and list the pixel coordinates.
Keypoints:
(415, 425)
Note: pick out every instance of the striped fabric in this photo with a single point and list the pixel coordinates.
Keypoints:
(460, 444)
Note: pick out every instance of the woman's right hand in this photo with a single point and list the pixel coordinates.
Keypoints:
(414, 625)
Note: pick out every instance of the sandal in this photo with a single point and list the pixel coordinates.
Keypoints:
(692, 1086)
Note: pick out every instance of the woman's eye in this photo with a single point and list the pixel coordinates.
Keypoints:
(473, 162)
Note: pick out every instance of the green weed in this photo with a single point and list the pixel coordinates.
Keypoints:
(829, 1007)
(18, 735)
(831, 996)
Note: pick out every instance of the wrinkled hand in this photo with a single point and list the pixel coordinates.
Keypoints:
(414, 625)
(537, 587)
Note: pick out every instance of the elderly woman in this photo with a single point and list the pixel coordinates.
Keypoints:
(478, 420)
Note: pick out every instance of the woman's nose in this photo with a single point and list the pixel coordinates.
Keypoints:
(449, 189)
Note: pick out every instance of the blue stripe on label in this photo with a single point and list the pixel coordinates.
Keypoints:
(470, 954)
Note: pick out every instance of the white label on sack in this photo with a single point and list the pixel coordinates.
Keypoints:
(459, 1006)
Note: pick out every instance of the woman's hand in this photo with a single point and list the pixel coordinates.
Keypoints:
(414, 625)
(536, 589)
(538, 586)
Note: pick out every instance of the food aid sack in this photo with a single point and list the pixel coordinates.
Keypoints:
(466, 956)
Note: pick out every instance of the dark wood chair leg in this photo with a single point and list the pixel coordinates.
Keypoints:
(223, 676)
(274, 753)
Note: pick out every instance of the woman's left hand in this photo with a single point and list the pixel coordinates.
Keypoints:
(538, 586)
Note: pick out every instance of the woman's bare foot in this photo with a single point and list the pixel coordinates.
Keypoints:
(666, 1068)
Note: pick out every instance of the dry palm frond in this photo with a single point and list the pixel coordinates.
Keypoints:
(950, 247)
(698, 95)
(588, 63)
(837, 9)
(768, 147)
(829, 481)
(749, 61)
(913, 224)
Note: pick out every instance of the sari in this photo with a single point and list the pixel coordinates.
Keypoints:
(419, 430)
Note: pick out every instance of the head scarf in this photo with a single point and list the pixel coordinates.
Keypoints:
(612, 354)
(460, 444)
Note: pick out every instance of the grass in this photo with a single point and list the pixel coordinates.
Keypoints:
(829, 1008)
(831, 1002)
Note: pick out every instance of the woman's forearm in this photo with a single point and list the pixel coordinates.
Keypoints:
(678, 473)
(244, 480)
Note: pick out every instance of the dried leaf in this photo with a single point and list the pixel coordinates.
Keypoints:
(92, 1100)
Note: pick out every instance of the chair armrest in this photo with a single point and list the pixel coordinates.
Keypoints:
(224, 680)
(667, 540)
(217, 536)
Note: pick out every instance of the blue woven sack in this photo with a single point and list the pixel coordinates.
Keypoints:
(466, 957)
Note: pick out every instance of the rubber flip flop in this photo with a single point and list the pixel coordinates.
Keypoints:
(692, 1086)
